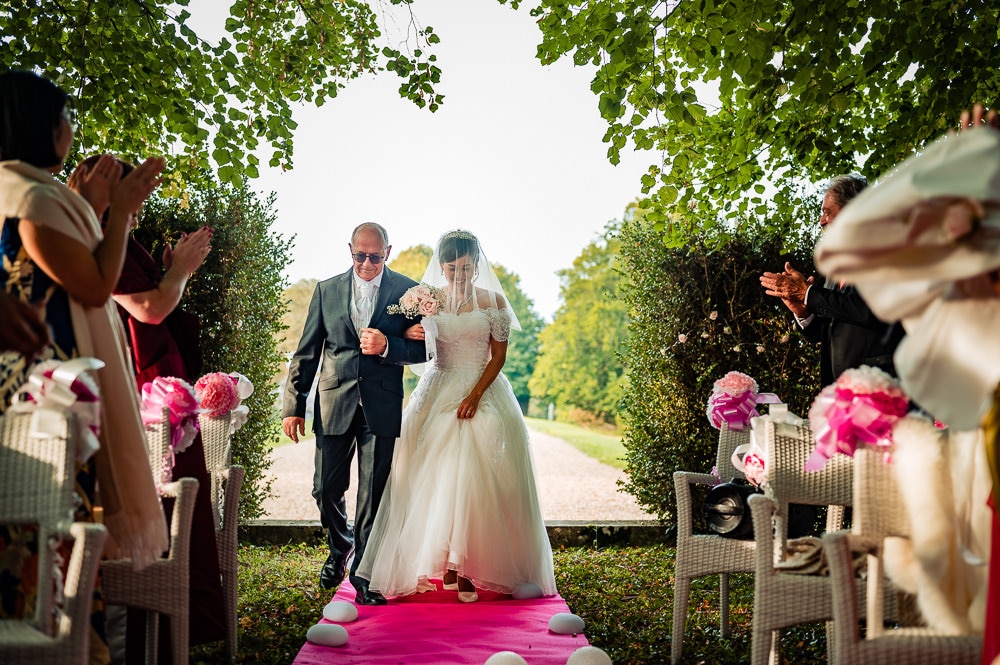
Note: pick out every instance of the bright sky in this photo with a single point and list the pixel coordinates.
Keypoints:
(514, 154)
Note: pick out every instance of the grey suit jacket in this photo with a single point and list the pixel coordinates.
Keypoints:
(347, 376)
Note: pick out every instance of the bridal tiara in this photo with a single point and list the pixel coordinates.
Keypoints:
(464, 235)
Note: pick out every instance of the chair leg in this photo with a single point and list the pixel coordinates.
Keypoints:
(682, 592)
(152, 637)
(179, 639)
(724, 604)
(230, 598)
(763, 645)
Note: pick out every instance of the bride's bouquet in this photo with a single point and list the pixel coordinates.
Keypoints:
(420, 300)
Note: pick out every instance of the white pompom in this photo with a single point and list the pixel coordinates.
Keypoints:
(566, 623)
(589, 656)
(526, 591)
(327, 634)
(505, 658)
(340, 611)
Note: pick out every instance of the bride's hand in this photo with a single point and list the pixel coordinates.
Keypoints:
(467, 409)
(416, 331)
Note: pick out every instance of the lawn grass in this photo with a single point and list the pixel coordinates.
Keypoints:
(625, 596)
(605, 448)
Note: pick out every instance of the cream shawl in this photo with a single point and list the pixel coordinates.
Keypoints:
(132, 511)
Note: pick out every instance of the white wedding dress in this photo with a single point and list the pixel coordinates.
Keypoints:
(461, 494)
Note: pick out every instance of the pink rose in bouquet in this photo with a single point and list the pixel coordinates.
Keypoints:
(428, 307)
(419, 300)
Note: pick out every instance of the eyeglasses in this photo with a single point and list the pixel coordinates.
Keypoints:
(361, 257)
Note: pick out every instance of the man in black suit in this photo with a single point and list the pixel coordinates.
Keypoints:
(835, 315)
(359, 397)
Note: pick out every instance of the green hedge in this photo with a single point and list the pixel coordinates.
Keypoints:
(237, 294)
(696, 313)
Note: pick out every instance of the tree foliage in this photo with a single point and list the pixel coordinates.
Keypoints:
(143, 81)
(578, 366)
(412, 261)
(238, 296)
(522, 348)
(733, 95)
(696, 313)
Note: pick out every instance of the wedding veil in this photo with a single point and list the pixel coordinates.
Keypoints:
(460, 268)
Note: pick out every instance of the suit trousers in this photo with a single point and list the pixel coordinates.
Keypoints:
(332, 480)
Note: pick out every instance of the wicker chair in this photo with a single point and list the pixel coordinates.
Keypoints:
(22, 643)
(227, 482)
(216, 437)
(784, 599)
(698, 554)
(879, 513)
(164, 586)
(37, 476)
(227, 538)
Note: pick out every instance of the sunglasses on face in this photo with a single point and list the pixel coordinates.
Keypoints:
(361, 257)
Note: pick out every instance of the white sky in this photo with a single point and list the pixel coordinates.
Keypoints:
(514, 154)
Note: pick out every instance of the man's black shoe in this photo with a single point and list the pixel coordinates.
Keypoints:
(334, 570)
(367, 597)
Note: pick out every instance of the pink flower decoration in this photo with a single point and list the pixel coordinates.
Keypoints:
(217, 393)
(179, 398)
(861, 407)
(734, 384)
(734, 400)
(754, 469)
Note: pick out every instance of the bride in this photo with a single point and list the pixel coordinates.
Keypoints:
(461, 503)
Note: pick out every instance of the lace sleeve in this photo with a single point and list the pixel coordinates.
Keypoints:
(499, 323)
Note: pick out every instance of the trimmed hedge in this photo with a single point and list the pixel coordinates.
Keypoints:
(238, 295)
(696, 313)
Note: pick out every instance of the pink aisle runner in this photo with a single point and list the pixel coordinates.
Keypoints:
(433, 627)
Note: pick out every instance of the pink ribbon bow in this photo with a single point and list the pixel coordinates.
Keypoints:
(843, 419)
(737, 410)
(61, 387)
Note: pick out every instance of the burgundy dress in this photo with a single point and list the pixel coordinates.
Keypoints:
(171, 348)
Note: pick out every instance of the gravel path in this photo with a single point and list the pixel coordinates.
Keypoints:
(571, 485)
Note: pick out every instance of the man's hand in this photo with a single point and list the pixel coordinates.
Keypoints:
(373, 342)
(294, 427)
(791, 286)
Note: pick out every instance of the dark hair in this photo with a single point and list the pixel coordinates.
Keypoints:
(457, 244)
(30, 110)
(846, 187)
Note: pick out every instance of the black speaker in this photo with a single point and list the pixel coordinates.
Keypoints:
(726, 509)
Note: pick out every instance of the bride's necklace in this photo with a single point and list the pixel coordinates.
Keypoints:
(462, 304)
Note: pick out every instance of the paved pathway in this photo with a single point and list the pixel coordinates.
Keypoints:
(571, 485)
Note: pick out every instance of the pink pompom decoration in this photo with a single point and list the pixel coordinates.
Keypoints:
(217, 393)
(860, 408)
(734, 399)
(734, 384)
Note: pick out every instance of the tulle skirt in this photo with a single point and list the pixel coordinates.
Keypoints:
(461, 495)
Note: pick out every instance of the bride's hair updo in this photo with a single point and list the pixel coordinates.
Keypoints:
(456, 244)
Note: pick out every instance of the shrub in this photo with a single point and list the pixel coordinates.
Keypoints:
(696, 313)
(237, 294)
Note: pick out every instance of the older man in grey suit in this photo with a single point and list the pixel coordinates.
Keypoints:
(359, 397)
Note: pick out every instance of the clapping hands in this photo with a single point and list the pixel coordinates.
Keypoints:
(189, 251)
(791, 286)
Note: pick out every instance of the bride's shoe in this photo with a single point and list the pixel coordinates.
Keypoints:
(450, 581)
(466, 591)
